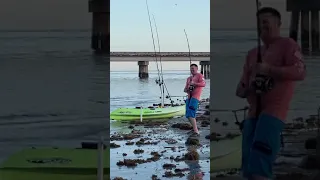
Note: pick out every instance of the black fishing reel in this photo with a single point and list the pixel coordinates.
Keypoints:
(263, 84)
(191, 88)
(157, 81)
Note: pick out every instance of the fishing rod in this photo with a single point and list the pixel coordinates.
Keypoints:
(164, 86)
(161, 74)
(259, 58)
(158, 81)
(260, 80)
(185, 33)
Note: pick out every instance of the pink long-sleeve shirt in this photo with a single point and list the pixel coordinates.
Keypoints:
(287, 66)
(199, 84)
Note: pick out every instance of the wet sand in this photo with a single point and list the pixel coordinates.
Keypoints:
(159, 151)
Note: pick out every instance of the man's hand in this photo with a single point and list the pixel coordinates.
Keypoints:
(191, 83)
(263, 68)
(242, 91)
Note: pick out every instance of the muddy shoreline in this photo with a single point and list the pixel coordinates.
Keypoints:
(159, 150)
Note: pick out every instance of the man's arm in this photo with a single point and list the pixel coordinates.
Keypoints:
(242, 90)
(186, 86)
(295, 69)
(201, 82)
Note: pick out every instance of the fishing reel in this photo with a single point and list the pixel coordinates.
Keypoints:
(263, 84)
(158, 81)
(191, 88)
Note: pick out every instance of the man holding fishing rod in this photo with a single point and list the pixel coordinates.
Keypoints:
(267, 82)
(194, 85)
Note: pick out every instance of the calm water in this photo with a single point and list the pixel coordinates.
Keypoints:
(127, 90)
(53, 92)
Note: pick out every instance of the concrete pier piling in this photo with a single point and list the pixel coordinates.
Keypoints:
(100, 37)
(294, 25)
(305, 31)
(205, 69)
(143, 69)
(315, 39)
(303, 9)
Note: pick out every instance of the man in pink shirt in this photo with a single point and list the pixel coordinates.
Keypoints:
(194, 85)
(282, 61)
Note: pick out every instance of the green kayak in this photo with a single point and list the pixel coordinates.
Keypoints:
(225, 154)
(150, 113)
(52, 164)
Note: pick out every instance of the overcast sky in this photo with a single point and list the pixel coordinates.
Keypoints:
(73, 14)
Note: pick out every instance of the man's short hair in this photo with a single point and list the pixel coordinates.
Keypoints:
(194, 65)
(270, 10)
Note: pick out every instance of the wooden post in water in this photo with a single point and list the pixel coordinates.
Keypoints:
(305, 7)
(294, 25)
(305, 31)
(207, 76)
(315, 30)
(205, 69)
(100, 37)
(201, 71)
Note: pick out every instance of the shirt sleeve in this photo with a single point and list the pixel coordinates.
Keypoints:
(294, 68)
(201, 81)
(187, 84)
(244, 80)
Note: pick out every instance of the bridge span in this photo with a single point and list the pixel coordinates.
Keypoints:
(143, 59)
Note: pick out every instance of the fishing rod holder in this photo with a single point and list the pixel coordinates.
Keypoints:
(158, 81)
(235, 111)
(263, 84)
(240, 124)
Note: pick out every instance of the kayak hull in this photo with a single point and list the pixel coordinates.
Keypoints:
(225, 154)
(26, 175)
(50, 163)
(134, 114)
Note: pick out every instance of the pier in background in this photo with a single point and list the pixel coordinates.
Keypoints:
(143, 59)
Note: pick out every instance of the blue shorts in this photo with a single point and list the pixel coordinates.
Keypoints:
(191, 107)
(261, 142)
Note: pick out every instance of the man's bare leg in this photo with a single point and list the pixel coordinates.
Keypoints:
(194, 124)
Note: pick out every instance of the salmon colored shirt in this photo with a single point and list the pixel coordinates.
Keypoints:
(287, 66)
(199, 84)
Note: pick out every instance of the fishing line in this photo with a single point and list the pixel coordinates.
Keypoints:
(185, 33)
(154, 47)
(158, 40)
(161, 71)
